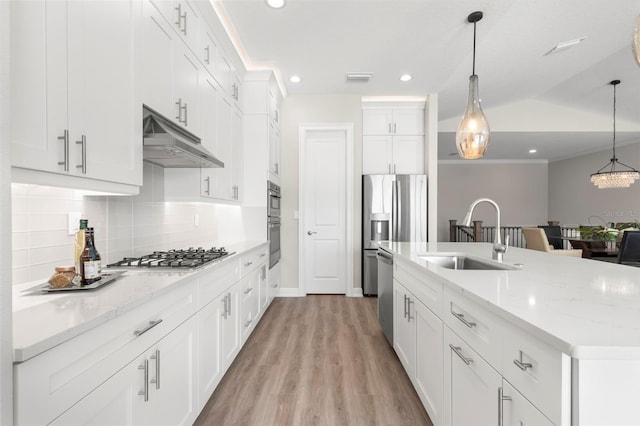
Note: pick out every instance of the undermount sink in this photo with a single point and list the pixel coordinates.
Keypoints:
(462, 262)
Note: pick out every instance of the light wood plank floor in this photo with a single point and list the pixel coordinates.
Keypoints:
(316, 360)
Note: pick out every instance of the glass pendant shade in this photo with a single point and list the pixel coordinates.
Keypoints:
(472, 136)
(635, 45)
(614, 179)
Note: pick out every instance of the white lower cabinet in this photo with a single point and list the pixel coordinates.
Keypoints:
(158, 388)
(467, 365)
(471, 393)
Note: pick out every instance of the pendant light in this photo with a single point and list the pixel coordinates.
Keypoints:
(612, 177)
(472, 136)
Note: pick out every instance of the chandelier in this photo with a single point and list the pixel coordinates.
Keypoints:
(614, 174)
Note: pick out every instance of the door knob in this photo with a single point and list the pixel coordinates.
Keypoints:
(311, 232)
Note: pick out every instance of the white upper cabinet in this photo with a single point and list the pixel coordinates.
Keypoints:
(393, 141)
(183, 18)
(186, 88)
(208, 50)
(73, 80)
(393, 121)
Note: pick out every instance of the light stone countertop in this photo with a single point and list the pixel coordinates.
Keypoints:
(42, 321)
(586, 308)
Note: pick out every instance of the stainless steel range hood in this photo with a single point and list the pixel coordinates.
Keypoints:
(168, 145)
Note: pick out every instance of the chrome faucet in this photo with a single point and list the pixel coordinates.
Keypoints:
(499, 249)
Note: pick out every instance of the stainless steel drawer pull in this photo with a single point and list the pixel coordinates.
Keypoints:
(179, 105)
(249, 290)
(405, 305)
(145, 390)
(462, 319)
(224, 307)
(501, 399)
(248, 323)
(409, 317)
(147, 328)
(458, 352)
(522, 365)
(248, 264)
(83, 144)
(65, 141)
(156, 357)
(206, 57)
(263, 254)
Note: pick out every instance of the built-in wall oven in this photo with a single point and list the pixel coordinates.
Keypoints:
(273, 222)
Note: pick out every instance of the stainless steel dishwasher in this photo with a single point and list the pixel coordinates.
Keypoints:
(385, 292)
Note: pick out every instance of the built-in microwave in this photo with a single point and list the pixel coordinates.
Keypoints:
(273, 199)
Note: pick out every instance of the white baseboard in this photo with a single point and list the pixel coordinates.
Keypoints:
(355, 292)
(289, 292)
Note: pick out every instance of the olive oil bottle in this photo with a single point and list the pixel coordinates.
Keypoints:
(90, 262)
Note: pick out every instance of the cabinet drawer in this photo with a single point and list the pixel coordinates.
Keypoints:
(253, 259)
(426, 289)
(56, 379)
(477, 326)
(212, 283)
(518, 411)
(536, 370)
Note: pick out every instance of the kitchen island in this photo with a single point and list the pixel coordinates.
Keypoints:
(149, 348)
(562, 334)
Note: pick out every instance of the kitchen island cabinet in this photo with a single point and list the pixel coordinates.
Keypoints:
(74, 117)
(515, 345)
(149, 348)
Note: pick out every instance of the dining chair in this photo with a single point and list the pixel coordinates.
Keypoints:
(537, 240)
(629, 252)
(554, 235)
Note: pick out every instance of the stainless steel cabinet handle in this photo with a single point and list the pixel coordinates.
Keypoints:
(522, 365)
(224, 307)
(186, 110)
(181, 16)
(208, 180)
(152, 324)
(248, 264)
(179, 116)
(389, 127)
(206, 56)
(275, 285)
(409, 302)
(405, 305)
(248, 323)
(83, 144)
(501, 399)
(458, 352)
(156, 357)
(65, 143)
(263, 254)
(394, 128)
(311, 232)
(145, 390)
(229, 303)
(462, 319)
(249, 290)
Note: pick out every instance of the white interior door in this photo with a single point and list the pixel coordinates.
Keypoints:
(324, 202)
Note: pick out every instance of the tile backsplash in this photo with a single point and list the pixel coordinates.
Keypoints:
(124, 225)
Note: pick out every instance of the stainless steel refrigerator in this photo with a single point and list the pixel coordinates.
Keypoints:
(394, 207)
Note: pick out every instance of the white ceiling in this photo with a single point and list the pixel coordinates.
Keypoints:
(321, 40)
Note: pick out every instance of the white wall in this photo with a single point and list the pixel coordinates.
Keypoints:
(314, 109)
(6, 340)
(573, 199)
(124, 226)
(519, 188)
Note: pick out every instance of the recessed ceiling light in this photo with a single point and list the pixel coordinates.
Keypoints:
(565, 45)
(276, 4)
(295, 79)
(533, 151)
(405, 77)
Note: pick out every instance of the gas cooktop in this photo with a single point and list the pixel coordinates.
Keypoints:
(183, 258)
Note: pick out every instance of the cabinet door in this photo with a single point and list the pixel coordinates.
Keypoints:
(377, 122)
(157, 62)
(249, 302)
(274, 152)
(408, 154)
(404, 328)
(186, 22)
(264, 285)
(186, 84)
(429, 363)
(38, 85)
(221, 177)
(208, 50)
(210, 368)
(172, 376)
(472, 395)
(377, 155)
(231, 327)
(209, 93)
(225, 73)
(115, 402)
(236, 155)
(100, 89)
(517, 410)
(408, 122)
